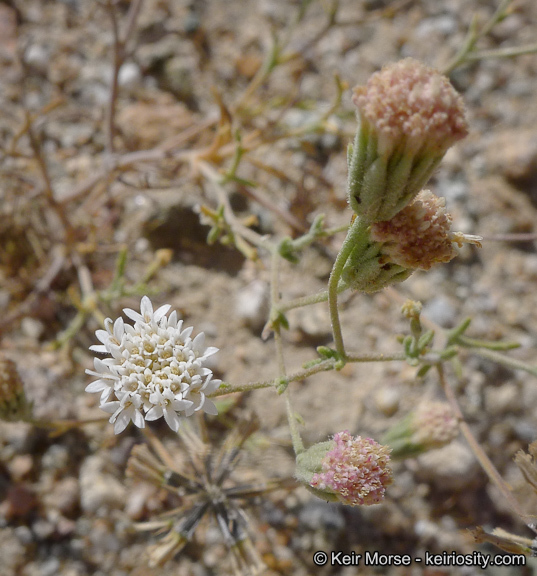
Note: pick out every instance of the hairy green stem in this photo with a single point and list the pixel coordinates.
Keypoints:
(371, 357)
(303, 301)
(354, 231)
(298, 445)
(227, 388)
(504, 360)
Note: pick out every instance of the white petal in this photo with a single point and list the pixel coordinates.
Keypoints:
(119, 329)
(172, 419)
(179, 405)
(210, 351)
(154, 413)
(130, 313)
(100, 366)
(97, 386)
(146, 308)
(138, 419)
(99, 348)
(186, 332)
(197, 343)
(110, 407)
(102, 335)
(172, 320)
(161, 312)
(209, 407)
(107, 392)
(121, 423)
(211, 386)
(101, 375)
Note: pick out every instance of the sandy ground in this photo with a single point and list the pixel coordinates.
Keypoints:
(65, 506)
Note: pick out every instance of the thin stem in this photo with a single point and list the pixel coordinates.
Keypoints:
(226, 388)
(483, 459)
(298, 445)
(241, 231)
(323, 366)
(504, 360)
(372, 357)
(48, 189)
(116, 65)
(303, 301)
(275, 297)
(354, 231)
(132, 16)
(58, 427)
(307, 300)
(120, 42)
(465, 52)
(503, 52)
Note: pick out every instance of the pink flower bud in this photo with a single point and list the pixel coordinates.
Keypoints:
(409, 116)
(419, 236)
(354, 470)
(416, 238)
(431, 425)
(409, 106)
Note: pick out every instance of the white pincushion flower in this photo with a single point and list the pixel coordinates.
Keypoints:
(156, 369)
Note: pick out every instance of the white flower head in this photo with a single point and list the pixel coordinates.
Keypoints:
(155, 369)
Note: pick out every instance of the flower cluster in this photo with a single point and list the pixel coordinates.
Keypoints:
(411, 106)
(409, 116)
(419, 236)
(352, 470)
(156, 369)
(431, 425)
(416, 238)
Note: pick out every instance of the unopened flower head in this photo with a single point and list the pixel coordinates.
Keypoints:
(13, 404)
(409, 116)
(435, 424)
(156, 369)
(409, 105)
(416, 238)
(419, 236)
(351, 470)
(431, 425)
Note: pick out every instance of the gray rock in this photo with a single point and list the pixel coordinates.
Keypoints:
(452, 467)
(317, 515)
(99, 490)
(441, 311)
(251, 303)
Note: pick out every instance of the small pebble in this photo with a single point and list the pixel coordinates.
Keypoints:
(387, 400)
(452, 467)
(251, 303)
(99, 489)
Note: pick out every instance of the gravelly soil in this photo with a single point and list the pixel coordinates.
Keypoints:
(66, 508)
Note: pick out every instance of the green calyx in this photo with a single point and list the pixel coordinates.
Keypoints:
(366, 269)
(380, 186)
